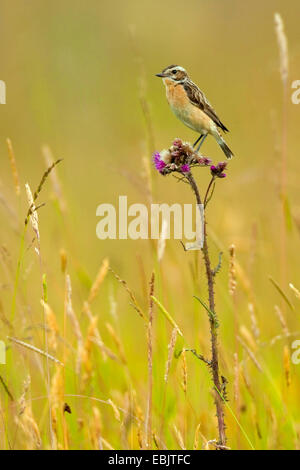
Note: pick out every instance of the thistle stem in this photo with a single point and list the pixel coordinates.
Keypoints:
(214, 363)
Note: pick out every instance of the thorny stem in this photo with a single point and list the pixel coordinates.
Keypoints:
(214, 363)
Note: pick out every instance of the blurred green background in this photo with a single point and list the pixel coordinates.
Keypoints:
(73, 78)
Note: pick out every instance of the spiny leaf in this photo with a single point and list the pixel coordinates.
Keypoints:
(211, 314)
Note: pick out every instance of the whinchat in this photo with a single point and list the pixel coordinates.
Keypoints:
(191, 106)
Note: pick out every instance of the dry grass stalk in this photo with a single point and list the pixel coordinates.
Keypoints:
(131, 295)
(44, 177)
(49, 160)
(236, 388)
(34, 349)
(184, 373)
(115, 410)
(137, 410)
(247, 381)
(96, 429)
(283, 48)
(86, 352)
(75, 323)
(250, 353)
(13, 165)
(254, 324)
(69, 310)
(116, 339)
(196, 437)
(106, 444)
(247, 335)
(98, 281)
(51, 324)
(243, 278)
(32, 198)
(57, 392)
(53, 414)
(273, 434)
(287, 365)
(237, 391)
(255, 420)
(106, 352)
(171, 347)
(155, 440)
(179, 438)
(198, 434)
(282, 320)
(295, 290)
(97, 339)
(150, 364)
(284, 72)
(140, 438)
(57, 387)
(232, 271)
(26, 420)
(33, 216)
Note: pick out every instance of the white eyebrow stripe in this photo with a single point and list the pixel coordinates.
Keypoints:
(177, 67)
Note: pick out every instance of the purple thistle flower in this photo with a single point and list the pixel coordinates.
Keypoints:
(217, 171)
(185, 168)
(156, 157)
(158, 163)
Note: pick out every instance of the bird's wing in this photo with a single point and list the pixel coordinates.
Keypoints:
(198, 98)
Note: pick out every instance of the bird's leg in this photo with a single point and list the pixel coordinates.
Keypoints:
(199, 138)
(198, 148)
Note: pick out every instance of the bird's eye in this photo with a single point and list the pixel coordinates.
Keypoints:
(174, 71)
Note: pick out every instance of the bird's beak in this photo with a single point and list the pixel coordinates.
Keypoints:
(161, 75)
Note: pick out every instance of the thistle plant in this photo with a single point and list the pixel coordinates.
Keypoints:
(181, 158)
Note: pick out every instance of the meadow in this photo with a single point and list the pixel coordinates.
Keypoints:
(102, 336)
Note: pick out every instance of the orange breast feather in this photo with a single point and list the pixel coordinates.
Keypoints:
(176, 95)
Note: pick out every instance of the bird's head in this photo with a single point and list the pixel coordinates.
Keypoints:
(175, 73)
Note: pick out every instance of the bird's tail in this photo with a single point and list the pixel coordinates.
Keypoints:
(223, 145)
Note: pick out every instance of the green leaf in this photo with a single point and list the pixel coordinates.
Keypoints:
(283, 295)
(211, 314)
(166, 314)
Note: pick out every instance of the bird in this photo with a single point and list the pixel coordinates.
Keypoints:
(190, 105)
